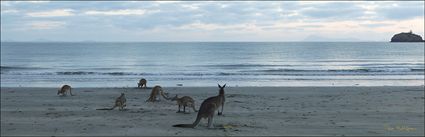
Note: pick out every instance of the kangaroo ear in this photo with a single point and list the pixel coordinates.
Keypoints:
(219, 85)
(224, 85)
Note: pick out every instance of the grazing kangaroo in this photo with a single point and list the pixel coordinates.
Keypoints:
(63, 90)
(207, 109)
(184, 101)
(119, 102)
(155, 92)
(142, 82)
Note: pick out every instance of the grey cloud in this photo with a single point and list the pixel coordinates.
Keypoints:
(375, 25)
(310, 26)
(405, 10)
(336, 10)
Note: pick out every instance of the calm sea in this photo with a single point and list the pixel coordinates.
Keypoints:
(94, 64)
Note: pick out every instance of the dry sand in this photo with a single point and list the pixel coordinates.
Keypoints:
(371, 111)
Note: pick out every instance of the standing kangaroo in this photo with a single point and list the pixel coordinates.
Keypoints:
(156, 91)
(63, 90)
(119, 102)
(207, 109)
(142, 82)
(184, 101)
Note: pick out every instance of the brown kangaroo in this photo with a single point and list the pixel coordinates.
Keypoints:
(63, 90)
(119, 102)
(156, 91)
(207, 109)
(184, 101)
(142, 83)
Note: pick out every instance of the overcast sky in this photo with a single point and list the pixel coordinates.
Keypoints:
(209, 21)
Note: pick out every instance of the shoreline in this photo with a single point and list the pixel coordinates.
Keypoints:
(208, 83)
(150, 87)
(259, 111)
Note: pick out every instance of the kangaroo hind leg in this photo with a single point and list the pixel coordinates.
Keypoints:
(210, 122)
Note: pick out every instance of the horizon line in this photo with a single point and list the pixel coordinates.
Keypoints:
(174, 41)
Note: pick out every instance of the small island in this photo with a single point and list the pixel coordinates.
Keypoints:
(406, 37)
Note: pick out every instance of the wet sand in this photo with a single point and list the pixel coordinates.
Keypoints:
(370, 111)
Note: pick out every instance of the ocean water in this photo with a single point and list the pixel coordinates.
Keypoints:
(93, 64)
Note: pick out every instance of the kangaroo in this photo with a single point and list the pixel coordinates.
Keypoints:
(155, 92)
(207, 109)
(63, 90)
(142, 82)
(119, 102)
(184, 101)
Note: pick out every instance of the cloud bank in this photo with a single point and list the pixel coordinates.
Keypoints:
(209, 21)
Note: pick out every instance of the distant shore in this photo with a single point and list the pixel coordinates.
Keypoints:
(370, 111)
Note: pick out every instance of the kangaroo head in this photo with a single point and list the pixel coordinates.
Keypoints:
(221, 91)
(174, 98)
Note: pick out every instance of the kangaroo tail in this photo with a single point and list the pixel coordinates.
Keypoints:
(184, 125)
(198, 119)
(106, 108)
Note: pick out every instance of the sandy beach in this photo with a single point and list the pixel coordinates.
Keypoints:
(371, 111)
